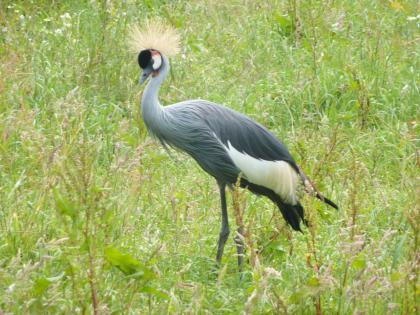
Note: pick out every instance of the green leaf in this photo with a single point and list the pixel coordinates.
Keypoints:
(359, 263)
(250, 289)
(65, 206)
(282, 20)
(307, 45)
(285, 23)
(128, 264)
(277, 247)
(296, 297)
(130, 139)
(144, 274)
(56, 278)
(354, 85)
(125, 262)
(41, 285)
(396, 276)
(314, 282)
(198, 47)
(155, 292)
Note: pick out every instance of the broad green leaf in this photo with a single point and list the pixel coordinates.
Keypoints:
(296, 297)
(314, 282)
(285, 23)
(130, 139)
(396, 276)
(56, 278)
(354, 85)
(250, 289)
(41, 285)
(155, 292)
(125, 262)
(144, 274)
(282, 20)
(128, 264)
(307, 45)
(65, 206)
(359, 263)
(198, 47)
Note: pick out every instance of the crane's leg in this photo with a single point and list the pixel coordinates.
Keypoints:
(240, 247)
(224, 232)
(239, 239)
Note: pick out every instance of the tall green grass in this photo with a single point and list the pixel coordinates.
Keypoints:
(96, 217)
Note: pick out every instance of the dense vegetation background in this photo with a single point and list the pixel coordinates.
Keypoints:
(95, 216)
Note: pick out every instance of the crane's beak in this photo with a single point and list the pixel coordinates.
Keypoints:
(146, 73)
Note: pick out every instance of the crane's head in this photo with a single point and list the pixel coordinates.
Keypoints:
(155, 41)
(151, 61)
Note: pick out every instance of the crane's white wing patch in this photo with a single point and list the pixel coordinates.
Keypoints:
(278, 176)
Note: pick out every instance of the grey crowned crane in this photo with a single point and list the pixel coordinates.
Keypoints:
(225, 143)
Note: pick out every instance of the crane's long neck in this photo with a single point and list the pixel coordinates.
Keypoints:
(151, 108)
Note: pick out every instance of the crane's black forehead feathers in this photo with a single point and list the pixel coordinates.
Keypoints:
(144, 58)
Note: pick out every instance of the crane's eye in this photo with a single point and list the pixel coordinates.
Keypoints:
(144, 58)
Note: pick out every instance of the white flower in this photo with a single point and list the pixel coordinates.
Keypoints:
(66, 19)
(65, 16)
(413, 18)
(11, 288)
(405, 90)
(58, 31)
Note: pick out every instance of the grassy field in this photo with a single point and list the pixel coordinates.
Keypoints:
(95, 216)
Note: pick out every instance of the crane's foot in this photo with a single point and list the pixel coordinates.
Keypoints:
(223, 236)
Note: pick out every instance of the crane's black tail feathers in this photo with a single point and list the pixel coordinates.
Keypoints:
(327, 201)
(311, 188)
(293, 214)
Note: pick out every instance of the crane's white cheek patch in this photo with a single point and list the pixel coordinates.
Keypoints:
(278, 176)
(157, 61)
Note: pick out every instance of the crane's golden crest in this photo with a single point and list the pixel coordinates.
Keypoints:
(154, 35)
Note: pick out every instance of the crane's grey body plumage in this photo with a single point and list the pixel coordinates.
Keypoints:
(226, 144)
(203, 129)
